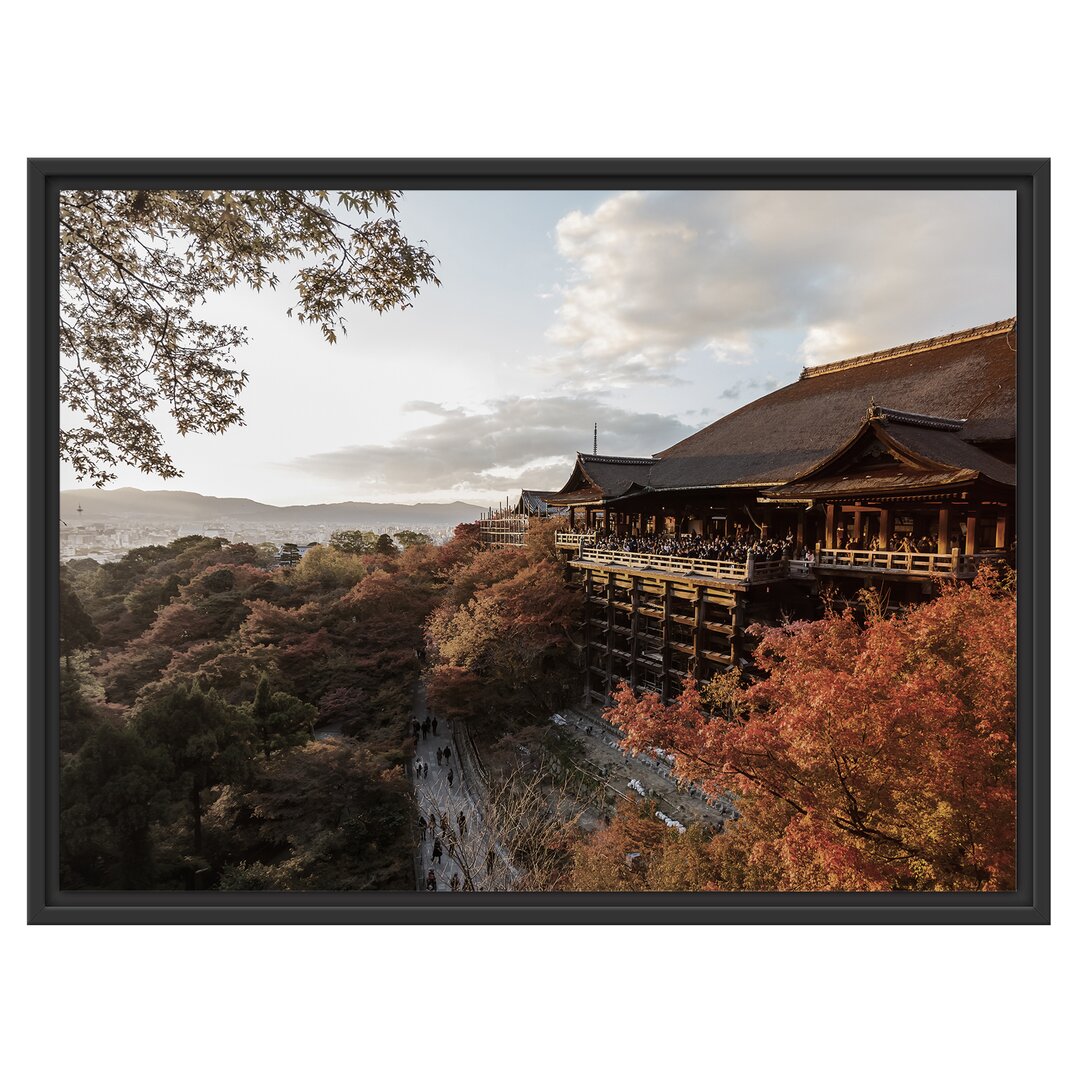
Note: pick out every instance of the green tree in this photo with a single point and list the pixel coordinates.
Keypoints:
(353, 541)
(110, 795)
(77, 629)
(384, 545)
(136, 265)
(408, 538)
(203, 740)
(279, 719)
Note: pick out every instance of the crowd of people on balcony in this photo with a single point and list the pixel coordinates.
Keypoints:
(746, 541)
(692, 546)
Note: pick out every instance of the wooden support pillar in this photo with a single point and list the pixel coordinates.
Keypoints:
(884, 526)
(607, 518)
(665, 646)
(943, 518)
(1000, 534)
(588, 635)
(943, 523)
(609, 659)
(699, 633)
(800, 528)
(856, 529)
(830, 525)
(571, 519)
(972, 529)
(635, 626)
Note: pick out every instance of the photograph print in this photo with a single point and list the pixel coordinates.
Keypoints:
(565, 540)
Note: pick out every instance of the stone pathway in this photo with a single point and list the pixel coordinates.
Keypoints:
(465, 855)
(602, 749)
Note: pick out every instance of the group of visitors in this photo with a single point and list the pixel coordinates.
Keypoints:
(421, 729)
(445, 832)
(743, 543)
(733, 548)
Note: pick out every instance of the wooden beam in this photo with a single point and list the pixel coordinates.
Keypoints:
(830, 525)
(943, 530)
(972, 529)
(999, 535)
(884, 526)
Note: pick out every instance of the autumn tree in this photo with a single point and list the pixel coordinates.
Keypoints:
(638, 852)
(505, 652)
(135, 266)
(869, 756)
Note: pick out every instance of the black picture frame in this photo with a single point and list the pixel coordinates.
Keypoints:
(1029, 904)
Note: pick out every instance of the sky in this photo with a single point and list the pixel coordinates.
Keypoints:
(650, 313)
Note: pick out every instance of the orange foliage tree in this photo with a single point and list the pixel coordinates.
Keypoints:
(871, 755)
(501, 637)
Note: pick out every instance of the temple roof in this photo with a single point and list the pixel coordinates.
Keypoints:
(895, 452)
(971, 375)
(535, 502)
(600, 478)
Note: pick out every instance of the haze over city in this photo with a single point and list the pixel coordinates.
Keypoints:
(650, 313)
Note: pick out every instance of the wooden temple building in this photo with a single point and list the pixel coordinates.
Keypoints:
(892, 470)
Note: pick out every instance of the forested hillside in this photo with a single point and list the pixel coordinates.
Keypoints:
(195, 677)
(228, 722)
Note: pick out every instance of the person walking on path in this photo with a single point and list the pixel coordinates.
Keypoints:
(438, 755)
(434, 725)
(431, 822)
(445, 824)
(416, 729)
(432, 884)
(436, 852)
(489, 862)
(450, 778)
(462, 824)
(425, 727)
(455, 883)
(425, 770)
(422, 822)
(452, 841)
(446, 754)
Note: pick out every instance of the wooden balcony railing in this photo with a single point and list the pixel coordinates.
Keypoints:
(922, 563)
(719, 569)
(573, 540)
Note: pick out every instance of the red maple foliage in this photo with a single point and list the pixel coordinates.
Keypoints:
(871, 755)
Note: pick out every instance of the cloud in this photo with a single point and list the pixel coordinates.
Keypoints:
(510, 443)
(653, 276)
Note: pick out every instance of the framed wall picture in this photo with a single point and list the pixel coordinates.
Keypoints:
(468, 541)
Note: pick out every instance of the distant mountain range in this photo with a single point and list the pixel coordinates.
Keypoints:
(183, 506)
